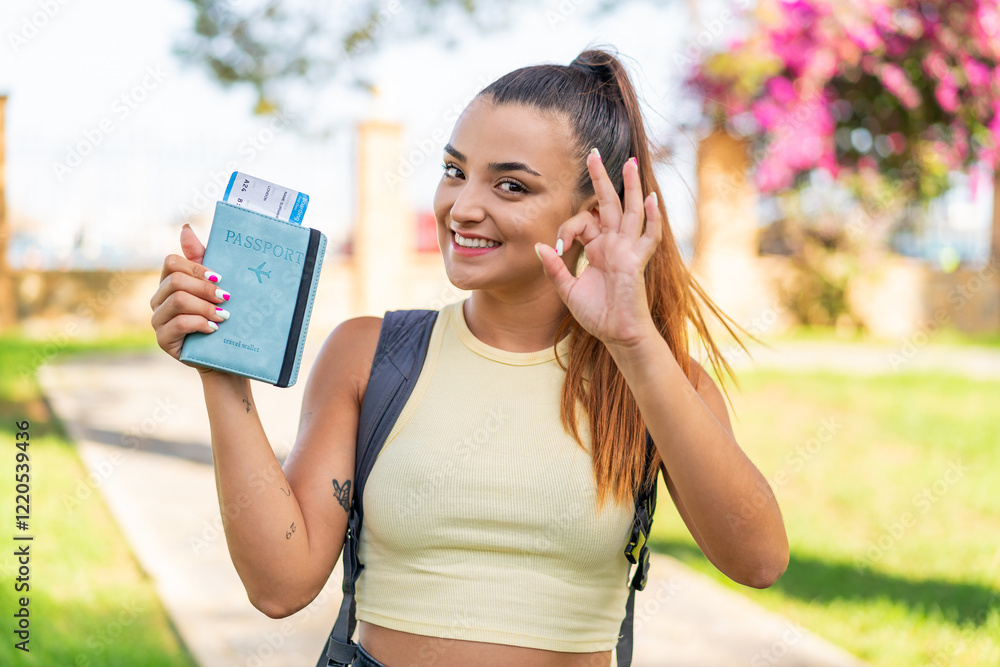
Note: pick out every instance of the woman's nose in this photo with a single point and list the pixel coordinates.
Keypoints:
(468, 205)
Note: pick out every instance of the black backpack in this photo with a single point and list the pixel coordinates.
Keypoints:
(399, 356)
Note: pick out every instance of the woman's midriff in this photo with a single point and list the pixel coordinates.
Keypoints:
(394, 648)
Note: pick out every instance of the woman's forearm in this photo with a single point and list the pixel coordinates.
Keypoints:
(710, 473)
(265, 531)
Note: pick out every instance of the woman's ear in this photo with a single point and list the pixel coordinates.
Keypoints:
(588, 204)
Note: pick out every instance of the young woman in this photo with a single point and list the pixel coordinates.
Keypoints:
(498, 508)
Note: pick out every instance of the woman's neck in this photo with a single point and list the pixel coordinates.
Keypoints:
(515, 325)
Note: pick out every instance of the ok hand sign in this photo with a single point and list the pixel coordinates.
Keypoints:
(608, 298)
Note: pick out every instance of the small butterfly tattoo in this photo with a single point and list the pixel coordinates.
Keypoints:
(342, 492)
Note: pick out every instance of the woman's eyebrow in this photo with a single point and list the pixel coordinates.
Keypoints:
(492, 166)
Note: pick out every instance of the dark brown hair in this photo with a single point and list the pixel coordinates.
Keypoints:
(595, 94)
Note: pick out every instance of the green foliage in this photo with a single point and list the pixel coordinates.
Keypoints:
(822, 265)
(272, 46)
(889, 95)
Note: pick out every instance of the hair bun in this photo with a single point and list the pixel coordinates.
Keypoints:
(596, 63)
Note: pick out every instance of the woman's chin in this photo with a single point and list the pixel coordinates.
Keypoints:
(462, 280)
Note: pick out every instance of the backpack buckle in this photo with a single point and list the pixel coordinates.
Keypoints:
(636, 543)
(642, 571)
(637, 549)
(640, 532)
(637, 553)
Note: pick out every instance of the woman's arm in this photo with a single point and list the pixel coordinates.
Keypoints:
(285, 528)
(711, 480)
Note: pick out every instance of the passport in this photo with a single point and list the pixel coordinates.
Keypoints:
(270, 269)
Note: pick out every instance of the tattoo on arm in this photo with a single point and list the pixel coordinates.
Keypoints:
(287, 493)
(291, 530)
(246, 402)
(342, 492)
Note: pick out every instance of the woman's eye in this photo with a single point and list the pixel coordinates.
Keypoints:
(512, 187)
(451, 171)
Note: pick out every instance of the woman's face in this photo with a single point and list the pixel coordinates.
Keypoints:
(509, 181)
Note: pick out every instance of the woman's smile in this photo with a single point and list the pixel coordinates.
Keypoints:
(470, 245)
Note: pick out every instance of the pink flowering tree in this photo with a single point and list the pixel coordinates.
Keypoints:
(884, 95)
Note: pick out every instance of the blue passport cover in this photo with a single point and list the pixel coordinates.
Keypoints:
(270, 269)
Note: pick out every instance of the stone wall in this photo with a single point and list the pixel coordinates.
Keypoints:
(904, 296)
(86, 303)
(90, 303)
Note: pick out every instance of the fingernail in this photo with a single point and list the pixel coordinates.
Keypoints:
(597, 153)
(212, 276)
(635, 162)
(222, 294)
(656, 199)
(223, 313)
(537, 251)
(213, 326)
(185, 225)
(559, 247)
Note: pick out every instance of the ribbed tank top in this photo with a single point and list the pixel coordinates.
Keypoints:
(481, 521)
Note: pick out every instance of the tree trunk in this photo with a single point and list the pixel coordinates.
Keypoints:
(995, 239)
(726, 260)
(8, 298)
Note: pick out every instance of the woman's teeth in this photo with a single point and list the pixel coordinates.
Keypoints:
(473, 243)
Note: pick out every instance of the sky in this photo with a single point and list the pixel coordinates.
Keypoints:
(112, 142)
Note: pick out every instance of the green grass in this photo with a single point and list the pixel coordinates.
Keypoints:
(892, 512)
(945, 336)
(90, 603)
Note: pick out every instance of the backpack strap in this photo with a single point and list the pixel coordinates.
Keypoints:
(637, 553)
(399, 356)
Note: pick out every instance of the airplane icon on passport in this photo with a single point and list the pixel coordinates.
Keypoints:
(259, 272)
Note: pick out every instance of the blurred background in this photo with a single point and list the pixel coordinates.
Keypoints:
(829, 169)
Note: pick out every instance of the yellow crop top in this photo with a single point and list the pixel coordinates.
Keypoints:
(481, 522)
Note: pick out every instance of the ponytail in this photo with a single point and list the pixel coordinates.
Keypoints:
(596, 94)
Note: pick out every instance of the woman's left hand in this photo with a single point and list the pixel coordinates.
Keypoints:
(608, 298)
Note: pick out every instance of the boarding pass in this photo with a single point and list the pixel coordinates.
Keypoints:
(258, 195)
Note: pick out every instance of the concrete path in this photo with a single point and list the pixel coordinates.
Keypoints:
(141, 428)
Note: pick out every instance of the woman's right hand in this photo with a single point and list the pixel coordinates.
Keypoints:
(189, 297)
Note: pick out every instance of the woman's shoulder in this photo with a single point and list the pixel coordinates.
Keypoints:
(356, 330)
(356, 337)
(348, 352)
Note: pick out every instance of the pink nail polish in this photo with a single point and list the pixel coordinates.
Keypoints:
(212, 276)
(222, 294)
(635, 162)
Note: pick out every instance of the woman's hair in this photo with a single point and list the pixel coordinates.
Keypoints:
(597, 97)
